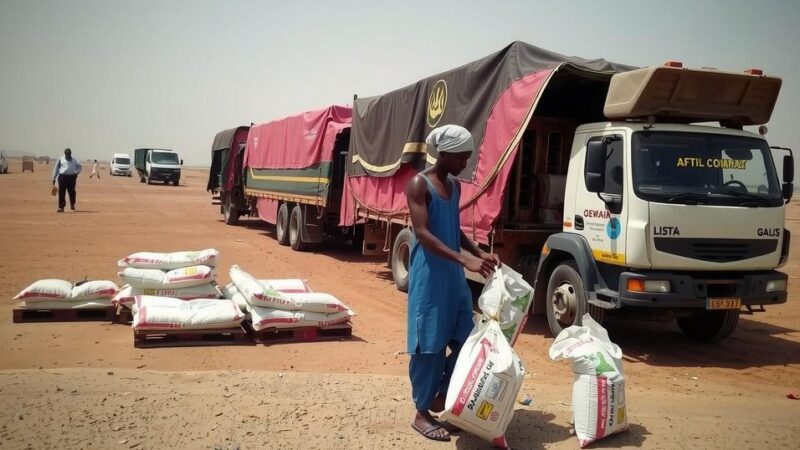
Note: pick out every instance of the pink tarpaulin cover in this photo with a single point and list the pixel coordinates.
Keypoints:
(481, 198)
(296, 142)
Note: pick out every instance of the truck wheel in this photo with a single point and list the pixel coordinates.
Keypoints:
(175, 182)
(149, 180)
(566, 299)
(282, 225)
(230, 212)
(295, 222)
(141, 179)
(358, 237)
(709, 326)
(401, 255)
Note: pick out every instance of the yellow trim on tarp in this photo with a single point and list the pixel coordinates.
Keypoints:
(609, 257)
(410, 147)
(306, 199)
(318, 180)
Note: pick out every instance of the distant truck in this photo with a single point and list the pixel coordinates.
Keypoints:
(155, 164)
(120, 165)
(289, 173)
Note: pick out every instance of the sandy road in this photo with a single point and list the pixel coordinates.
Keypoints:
(681, 394)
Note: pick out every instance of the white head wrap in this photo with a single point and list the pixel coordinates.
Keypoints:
(451, 139)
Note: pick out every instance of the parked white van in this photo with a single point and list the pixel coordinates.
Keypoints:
(120, 164)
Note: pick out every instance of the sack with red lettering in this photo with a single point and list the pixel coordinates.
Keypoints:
(485, 382)
(509, 294)
(92, 290)
(169, 261)
(46, 290)
(598, 391)
(164, 313)
(127, 294)
(263, 318)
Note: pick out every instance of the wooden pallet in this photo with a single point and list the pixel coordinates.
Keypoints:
(301, 334)
(190, 338)
(65, 315)
(124, 315)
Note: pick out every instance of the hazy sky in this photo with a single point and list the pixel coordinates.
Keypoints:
(108, 76)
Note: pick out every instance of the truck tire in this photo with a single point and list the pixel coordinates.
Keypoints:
(176, 182)
(567, 301)
(141, 179)
(230, 212)
(295, 228)
(149, 180)
(358, 237)
(709, 326)
(282, 225)
(401, 255)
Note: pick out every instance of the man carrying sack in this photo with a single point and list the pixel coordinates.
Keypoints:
(439, 300)
(66, 172)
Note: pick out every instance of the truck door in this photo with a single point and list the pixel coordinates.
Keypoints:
(602, 217)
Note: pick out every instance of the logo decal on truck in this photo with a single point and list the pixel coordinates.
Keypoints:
(666, 231)
(613, 229)
(437, 102)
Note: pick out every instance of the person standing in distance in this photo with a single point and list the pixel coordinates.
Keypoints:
(95, 172)
(66, 172)
(439, 299)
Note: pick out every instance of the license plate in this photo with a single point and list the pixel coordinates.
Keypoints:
(723, 303)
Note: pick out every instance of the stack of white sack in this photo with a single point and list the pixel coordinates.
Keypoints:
(488, 374)
(181, 275)
(60, 294)
(598, 390)
(286, 303)
(513, 310)
(164, 313)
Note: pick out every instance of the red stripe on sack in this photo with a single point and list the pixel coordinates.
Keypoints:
(500, 442)
(336, 307)
(280, 320)
(104, 292)
(602, 407)
(469, 382)
(40, 294)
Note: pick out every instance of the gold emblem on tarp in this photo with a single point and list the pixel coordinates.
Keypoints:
(437, 103)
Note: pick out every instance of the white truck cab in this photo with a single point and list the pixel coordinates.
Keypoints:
(667, 219)
(120, 165)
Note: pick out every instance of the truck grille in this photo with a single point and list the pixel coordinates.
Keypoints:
(716, 250)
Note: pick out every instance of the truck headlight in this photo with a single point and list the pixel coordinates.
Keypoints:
(776, 285)
(650, 286)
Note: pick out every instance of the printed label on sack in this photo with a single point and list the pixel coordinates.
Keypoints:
(190, 271)
(484, 410)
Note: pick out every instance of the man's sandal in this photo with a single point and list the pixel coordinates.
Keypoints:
(429, 432)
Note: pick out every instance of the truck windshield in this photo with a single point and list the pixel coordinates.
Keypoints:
(700, 168)
(124, 161)
(164, 158)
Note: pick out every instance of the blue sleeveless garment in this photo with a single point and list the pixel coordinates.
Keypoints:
(439, 300)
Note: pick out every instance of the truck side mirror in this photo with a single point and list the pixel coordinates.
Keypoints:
(595, 175)
(788, 169)
(181, 162)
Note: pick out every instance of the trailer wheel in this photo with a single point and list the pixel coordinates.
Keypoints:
(282, 225)
(709, 326)
(229, 211)
(401, 254)
(295, 222)
(567, 301)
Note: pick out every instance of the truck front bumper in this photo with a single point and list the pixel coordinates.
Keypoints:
(692, 290)
(164, 175)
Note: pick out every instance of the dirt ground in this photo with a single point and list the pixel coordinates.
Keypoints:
(84, 385)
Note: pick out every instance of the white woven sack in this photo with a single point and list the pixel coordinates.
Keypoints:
(255, 293)
(143, 278)
(164, 313)
(509, 294)
(126, 296)
(91, 290)
(189, 276)
(598, 390)
(97, 303)
(169, 261)
(263, 318)
(46, 290)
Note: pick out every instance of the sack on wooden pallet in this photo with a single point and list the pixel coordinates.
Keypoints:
(97, 303)
(91, 290)
(164, 313)
(230, 292)
(598, 390)
(46, 290)
(263, 318)
(174, 279)
(127, 294)
(169, 261)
